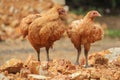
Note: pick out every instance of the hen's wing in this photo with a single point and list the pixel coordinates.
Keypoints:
(91, 33)
(97, 32)
(52, 31)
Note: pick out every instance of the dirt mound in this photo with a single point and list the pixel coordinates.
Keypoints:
(102, 68)
(11, 13)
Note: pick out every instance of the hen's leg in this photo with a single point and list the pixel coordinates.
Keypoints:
(86, 50)
(37, 49)
(78, 55)
(38, 53)
(47, 51)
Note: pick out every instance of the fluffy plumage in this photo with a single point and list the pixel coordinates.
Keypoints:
(43, 31)
(84, 32)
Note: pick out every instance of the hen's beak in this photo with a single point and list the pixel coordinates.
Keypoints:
(99, 15)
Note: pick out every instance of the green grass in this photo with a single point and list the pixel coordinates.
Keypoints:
(81, 10)
(114, 33)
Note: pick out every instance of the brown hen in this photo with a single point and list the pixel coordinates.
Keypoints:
(84, 32)
(43, 30)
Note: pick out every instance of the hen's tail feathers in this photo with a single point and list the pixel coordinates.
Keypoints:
(25, 22)
(24, 29)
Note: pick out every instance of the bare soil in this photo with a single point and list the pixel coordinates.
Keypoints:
(113, 22)
(61, 49)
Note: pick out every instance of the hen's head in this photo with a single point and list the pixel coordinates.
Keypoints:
(61, 11)
(93, 14)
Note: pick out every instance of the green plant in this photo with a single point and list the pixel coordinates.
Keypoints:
(78, 11)
(113, 3)
(83, 12)
(114, 33)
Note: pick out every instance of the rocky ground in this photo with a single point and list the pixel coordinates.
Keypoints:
(22, 64)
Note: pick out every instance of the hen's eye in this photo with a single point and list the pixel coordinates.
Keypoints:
(63, 11)
(94, 13)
